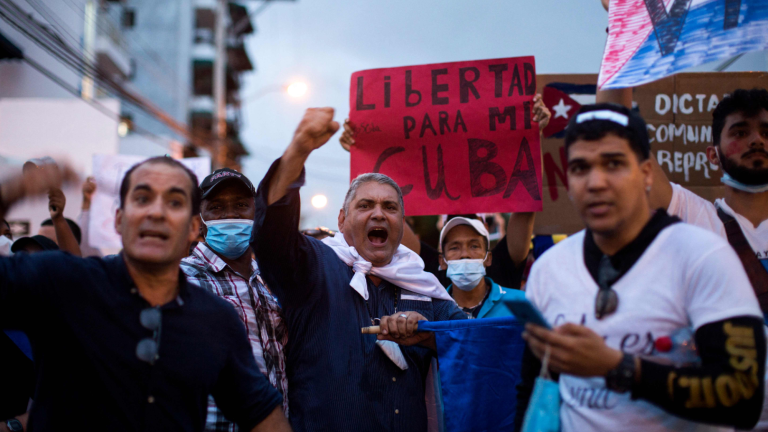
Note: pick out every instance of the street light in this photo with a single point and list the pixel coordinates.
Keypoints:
(297, 89)
(319, 201)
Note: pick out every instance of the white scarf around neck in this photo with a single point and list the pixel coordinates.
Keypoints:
(406, 270)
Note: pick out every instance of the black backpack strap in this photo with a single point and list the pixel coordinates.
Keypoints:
(757, 274)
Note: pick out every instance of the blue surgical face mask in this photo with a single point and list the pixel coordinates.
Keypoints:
(466, 274)
(229, 237)
(732, 182)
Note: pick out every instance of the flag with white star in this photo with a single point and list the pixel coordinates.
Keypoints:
(564, 100)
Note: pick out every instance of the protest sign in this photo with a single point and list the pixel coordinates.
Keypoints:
(108, 173)
(651, 39)
(678, 111)
(457, 137)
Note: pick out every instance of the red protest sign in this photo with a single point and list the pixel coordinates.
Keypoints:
(457, 137)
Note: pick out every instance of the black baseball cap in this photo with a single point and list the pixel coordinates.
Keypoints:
(44, 242)
(222, 175)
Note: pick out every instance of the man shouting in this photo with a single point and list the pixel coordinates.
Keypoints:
(340, 379)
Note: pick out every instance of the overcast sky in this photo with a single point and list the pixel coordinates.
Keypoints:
(322, 42)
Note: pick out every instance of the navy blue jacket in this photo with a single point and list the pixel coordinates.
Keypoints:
(338, 378)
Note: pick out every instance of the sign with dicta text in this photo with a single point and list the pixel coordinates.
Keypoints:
(457, 137)
(678, 112)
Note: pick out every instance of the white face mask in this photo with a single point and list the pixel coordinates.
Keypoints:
(466, 274)
(5, 246)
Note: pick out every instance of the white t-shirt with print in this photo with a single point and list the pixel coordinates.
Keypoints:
(695, 210)
(687, 277)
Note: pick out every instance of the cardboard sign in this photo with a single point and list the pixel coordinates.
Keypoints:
(651, 39)
(678, 111)
(108, 173)
(457, 137)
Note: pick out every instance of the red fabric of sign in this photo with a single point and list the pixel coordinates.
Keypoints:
(457, 137)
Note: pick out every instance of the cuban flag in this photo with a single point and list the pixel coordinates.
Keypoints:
(564, 100)
(651, 39)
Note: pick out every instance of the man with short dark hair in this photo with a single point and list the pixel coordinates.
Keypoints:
(124, 343)
(740, 148)
(633, 276)
(223, 264)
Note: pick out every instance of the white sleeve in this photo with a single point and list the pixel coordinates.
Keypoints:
(693, 209)
(533, 285)
(83, 219)
(718, 288)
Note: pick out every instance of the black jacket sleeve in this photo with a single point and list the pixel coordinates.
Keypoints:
(284, 254)
(503, 270)
(726, 389)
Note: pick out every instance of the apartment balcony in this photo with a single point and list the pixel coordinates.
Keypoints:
(238, 57)
(112, 54)
(202, 80)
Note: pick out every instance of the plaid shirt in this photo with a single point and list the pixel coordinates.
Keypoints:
(259, 311)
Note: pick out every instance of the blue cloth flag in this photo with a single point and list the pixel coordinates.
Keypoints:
(480, 363)
(651, 39)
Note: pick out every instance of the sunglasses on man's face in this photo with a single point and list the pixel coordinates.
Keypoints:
(607, 301)
(148, 349)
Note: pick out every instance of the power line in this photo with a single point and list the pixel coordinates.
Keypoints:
(94, 103)
(38, 34)
(154, 66)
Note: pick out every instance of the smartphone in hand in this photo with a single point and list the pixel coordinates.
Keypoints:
(526, 312)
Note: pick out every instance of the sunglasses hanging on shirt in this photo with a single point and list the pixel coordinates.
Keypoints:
(607, 301)
(148, 349)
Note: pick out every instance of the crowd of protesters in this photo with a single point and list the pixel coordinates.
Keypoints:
(218, 314)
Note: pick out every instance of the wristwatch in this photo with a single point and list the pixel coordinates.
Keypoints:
(14, 425)
(621, 378)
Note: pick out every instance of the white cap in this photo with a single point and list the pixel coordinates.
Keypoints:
(478, 225)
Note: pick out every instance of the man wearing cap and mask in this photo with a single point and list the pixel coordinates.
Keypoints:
(224, 265)
(465, 254)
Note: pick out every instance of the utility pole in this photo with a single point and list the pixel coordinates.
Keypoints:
(89, 45)
(219, 85)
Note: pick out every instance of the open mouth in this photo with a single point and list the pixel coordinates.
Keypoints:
(378, 236)
(152, 235)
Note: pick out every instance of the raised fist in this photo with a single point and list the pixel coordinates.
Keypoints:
(34, 181)
(89, 188)
(56, 203)
(315, 129)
